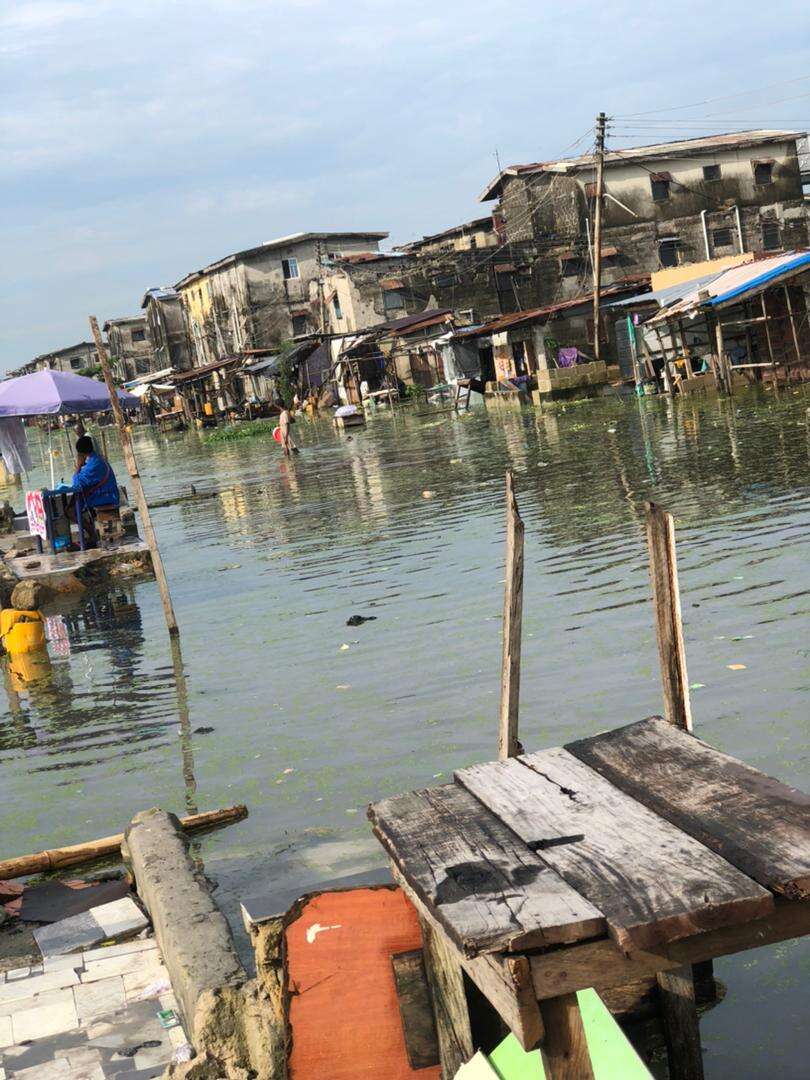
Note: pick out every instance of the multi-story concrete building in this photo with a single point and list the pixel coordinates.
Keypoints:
(129, 347)
(667, 204)
(166, 330)
(262, 296)
(78, 358)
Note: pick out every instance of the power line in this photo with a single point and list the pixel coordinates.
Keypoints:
(711, 101)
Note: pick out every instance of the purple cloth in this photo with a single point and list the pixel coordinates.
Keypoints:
(567, 357)
(51, 392)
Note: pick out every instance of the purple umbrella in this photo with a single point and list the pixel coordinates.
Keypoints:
(55, 393)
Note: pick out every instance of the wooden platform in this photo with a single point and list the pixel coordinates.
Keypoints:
(615, 858)
(65, 571)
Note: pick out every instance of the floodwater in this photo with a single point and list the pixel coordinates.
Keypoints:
(312, 719)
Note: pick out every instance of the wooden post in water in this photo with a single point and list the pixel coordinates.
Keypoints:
(137, 487)
(667, 605)
(508, 744)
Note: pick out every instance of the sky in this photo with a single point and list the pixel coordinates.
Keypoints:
(140, 141)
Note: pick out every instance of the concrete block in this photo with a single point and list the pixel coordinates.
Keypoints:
(18, 973)
(28, 988)
(68, 935)
(6, 1036)
(114, 965)
(194, 937)
(142, 945)
(48, 997)
(120, 917)
(97, 999)
(38, 1023)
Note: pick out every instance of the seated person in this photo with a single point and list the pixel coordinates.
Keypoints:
(94, 479)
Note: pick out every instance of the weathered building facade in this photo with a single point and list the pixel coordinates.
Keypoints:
(664, 205)
(129, 347)
(166, 330)
(78, 358)
(264, 295)
(477, 235)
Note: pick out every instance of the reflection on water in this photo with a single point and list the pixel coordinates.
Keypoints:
(312, 718)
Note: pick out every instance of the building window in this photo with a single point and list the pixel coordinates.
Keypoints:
(722, 238)
(668, 251)
(300, 325)
(76, 362)
(571, 267)
(289, 268)
(711, 173)
(763, 173)
(660, 188)
(771, 236)
(338, 310)
(393, 300)
(139, 335)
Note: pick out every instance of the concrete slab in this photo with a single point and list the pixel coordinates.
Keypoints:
(97, 999)
(45, 1020)
(120, 917)
(69, 935)
(30, 987)
(6, 1036)
(116, 965)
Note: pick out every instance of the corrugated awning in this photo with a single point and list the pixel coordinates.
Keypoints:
(504, 268)
(206, 369)
(663, 176)
(392, 283)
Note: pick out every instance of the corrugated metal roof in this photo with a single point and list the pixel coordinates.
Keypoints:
(514, 318)
(734, 283)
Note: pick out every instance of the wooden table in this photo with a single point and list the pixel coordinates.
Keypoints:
(629, 855)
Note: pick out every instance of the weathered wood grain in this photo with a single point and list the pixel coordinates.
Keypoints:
(681, 1025)
(504, 980)
(602, 964)
(508, 742)
(667, 607)
(486, 888)
(449, 1000)
(565, 1048)
(416, 1009)
(652, 882)
(755, 822)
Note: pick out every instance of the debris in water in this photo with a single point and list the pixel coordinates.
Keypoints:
(343, 686)
(358, 620)
(427, 494)
(696, 685)
(202, 731)
(230, 566)
(344, 647)
(736, 667)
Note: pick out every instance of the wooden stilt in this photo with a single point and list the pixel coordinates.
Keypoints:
(681, 1026)
(789, 304)
(446, 981)
(137, 487)
(508, 743)
(668, 624)
(720, 369)
(564, 1048)
(768, 334)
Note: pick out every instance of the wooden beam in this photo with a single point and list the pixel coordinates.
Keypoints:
(504, 980)
(565, 1048)
(755, 822)
(416, 1009)
(767, 329)
(668, 624)
(602, 964)
(449, 1000)
(652, 882)
(676, 992)
(508, 744)
(466, 866)
(135, 476)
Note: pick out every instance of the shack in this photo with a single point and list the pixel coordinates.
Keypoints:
(740, 325)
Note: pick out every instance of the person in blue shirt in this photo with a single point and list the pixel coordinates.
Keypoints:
(94, 479)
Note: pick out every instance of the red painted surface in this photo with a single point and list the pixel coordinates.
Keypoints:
(344, 1015)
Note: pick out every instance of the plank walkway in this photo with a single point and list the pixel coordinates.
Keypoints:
(629, 855)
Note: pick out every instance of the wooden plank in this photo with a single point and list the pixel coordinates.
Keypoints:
(601, 964)
(681, 1026)
(652, 882)
(416, 1009)
(485, 887)
(565, 1048)
(757, 823)
(446, 981)
(508, 744)
(667, 606)
(505, 981)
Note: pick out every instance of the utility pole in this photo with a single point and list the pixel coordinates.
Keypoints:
(601, 121)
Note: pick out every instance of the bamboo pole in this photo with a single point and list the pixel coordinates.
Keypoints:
(137, 487)
(508, 744)
(795, 334)
(54, 858)
(668, 624)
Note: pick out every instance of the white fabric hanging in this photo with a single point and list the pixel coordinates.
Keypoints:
(14, 445)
